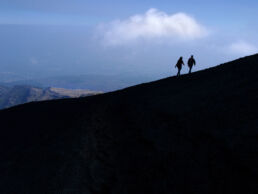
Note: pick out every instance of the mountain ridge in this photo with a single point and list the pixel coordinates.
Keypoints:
(21, 94)
(193, 134)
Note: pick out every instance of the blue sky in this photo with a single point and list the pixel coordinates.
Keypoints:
(61, 37)
(215, 12)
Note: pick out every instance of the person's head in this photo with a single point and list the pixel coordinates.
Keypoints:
(181, 57)
(191, 56)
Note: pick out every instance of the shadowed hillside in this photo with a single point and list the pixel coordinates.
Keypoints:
(11, 96)
(194, 134)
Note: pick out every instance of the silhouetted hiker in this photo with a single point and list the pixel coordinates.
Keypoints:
(191, 63)
(179, 64)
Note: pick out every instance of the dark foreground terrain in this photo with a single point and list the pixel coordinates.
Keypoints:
(195, 134)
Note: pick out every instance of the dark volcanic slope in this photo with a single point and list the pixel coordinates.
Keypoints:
(196, 134)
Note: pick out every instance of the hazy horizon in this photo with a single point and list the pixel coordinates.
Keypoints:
(42, 39)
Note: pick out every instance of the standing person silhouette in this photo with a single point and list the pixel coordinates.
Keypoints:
(191, 63)
(179, 64)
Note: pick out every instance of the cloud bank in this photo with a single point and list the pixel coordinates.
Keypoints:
(154, 24)
(243, 48)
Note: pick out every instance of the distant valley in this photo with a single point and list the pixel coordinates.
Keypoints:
(20, 94)
(95, 82)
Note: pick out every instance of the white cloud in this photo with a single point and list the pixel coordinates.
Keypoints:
(154, 24)
(243, 48)
(34, 61)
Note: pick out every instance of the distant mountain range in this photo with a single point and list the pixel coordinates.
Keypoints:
(93, 82)
(11, 96)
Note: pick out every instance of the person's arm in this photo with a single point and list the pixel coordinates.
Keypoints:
(194, 62)
(177, 63)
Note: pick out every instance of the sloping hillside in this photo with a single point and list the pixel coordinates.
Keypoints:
(11, 96)
(194, 134)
